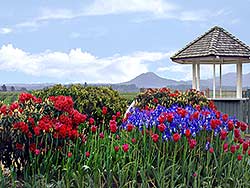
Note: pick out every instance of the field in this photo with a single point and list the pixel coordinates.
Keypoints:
(8, 97)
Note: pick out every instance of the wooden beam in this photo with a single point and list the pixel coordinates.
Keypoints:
(221, 80)
(198, 76)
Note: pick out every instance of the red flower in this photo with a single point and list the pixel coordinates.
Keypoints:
(176, 137)
(248, 152)
(125, 147)
(237, 133)
(161, 118)
(245, 146)
(230, 125)
(217, 114)
(91, 121)
(225, 147)
(87, 153)
(37, 130)
(130, 127)
(195, 174)
(211, 150)
(3, 109)
(117, 137)
(192, 143)
(32, 147)
(112, 125)
(225, 117)
(19, 146)
(93, 128)
(196, 115)
(213, 123)
(69, 154)
(155, 137)
(101, 135)
(238, 146)
(104, 110)
(118, 114)
(239, 157)
(133, 140)
(223, 134)
(187, 133)
(161, 127)
(243, 126)
(62, 103)
(37, 151)
(233, 148)
(170, 117)
(114, 117)
(155, 100)
(116, 148)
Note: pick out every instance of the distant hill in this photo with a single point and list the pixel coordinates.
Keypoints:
(152, 80)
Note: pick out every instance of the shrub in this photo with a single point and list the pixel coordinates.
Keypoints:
(89, 100)
(165, 97)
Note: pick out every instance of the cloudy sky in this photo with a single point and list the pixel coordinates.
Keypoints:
(108, 40)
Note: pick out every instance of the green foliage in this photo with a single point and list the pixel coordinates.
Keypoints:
(8, 97)
(89, 100)
(165, 97)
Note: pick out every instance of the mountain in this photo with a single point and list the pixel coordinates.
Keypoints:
(151, 80)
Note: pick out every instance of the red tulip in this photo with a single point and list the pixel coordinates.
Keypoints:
(69, 154)
(161, 127)
(211, 150)
(104, 110)
(239, 157)
(188, 133)
(233, 148)
(116, 148)
(125, 147)
(93, 128)
(101, 135)
(176, 137)
(155, 137)
(223, 134)
(130, 127)
(87, 153)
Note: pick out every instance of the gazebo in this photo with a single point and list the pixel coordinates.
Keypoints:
(215, 47)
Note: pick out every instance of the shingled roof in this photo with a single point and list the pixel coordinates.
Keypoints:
(217, 42)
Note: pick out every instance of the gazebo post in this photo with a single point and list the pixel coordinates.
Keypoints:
(214, 80)
(221, 79)
(198, 76)
(194, 76)
(239, 80)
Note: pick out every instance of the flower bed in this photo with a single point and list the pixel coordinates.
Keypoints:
(180, 145)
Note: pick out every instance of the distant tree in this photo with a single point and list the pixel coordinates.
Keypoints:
(12, 88)
(4, 88)
(23, 89)
(85, 84)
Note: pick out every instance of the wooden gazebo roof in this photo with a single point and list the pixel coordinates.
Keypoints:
(212, 47)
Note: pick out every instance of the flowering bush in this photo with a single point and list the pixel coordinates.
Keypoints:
(90, 100)
(165, 97)
(32, 127)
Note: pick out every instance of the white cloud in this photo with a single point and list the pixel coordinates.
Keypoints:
(77, 65)
(104, 7)
(5, 30)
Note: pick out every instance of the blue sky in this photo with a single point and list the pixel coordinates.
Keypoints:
(108, 41)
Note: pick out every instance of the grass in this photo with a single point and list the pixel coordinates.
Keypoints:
(9, 97)
(129, 95)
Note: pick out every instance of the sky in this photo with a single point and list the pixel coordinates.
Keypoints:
(108, 41)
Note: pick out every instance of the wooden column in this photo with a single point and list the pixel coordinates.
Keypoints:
(194, 86)
(198, 76)
(214, 80)
(220, 81)
(239, 80)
